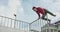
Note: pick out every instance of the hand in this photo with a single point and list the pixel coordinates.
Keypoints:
(38, 18)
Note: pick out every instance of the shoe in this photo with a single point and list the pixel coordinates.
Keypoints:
(54, 15)
(49, 20)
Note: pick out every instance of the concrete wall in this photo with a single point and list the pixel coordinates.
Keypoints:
(7, 29)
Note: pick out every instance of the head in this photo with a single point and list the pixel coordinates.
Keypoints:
(34, 8)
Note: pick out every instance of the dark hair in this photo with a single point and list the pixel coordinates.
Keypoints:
(33, 7)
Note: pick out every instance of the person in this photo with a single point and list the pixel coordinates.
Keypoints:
(40, 10)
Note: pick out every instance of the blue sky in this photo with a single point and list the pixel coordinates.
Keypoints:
(3, 2)
(23, 9)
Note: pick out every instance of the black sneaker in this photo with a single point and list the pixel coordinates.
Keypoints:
(49, 20)
(54, 15)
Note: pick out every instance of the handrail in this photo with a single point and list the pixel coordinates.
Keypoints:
(13, 23)
(14, 19)
(34, 21)
(19, 23)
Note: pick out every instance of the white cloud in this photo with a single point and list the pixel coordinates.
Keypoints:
(55, 8)
(14, 6)
(3, 10)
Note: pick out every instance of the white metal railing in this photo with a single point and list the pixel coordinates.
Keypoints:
(36, 25)
(12, 23)
(22, 25)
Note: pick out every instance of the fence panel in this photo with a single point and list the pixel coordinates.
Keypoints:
(15, 24)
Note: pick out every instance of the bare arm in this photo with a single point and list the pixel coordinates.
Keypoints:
(38, 15)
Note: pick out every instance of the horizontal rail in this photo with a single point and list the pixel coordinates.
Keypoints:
(34, 21)
(14, 19)
(13, 23)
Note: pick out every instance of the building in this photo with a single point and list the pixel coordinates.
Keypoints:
(51, 27)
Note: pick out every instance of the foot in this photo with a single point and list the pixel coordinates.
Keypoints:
(54, 15)
(49, 20)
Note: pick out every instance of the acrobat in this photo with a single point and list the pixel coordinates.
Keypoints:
(40, 10)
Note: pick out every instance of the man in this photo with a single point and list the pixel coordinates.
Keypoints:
(42, 11)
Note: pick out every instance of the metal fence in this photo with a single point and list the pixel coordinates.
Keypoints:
(12, 23)
(34, 26)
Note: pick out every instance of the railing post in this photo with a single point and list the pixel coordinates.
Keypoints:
(1, 20)
(15, 21)
(4, 21)
(48, 24)
(11, 23)
(40, 23)
(29, 27)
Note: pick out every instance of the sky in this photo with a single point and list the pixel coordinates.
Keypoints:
(24, 12)
(51, 5)
(23, 9)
